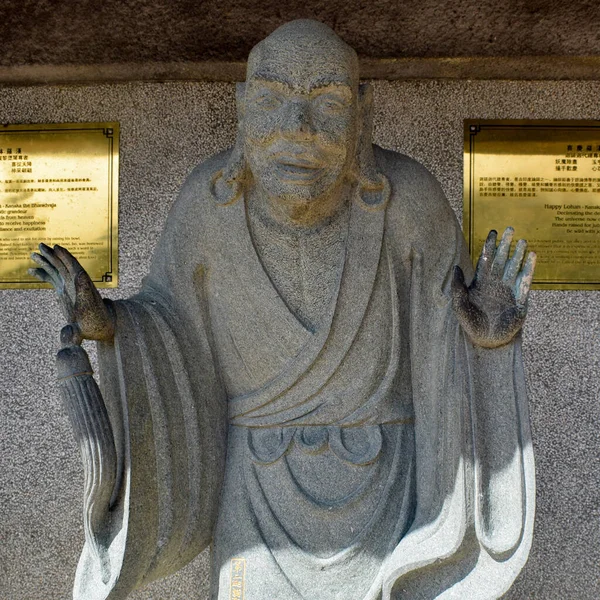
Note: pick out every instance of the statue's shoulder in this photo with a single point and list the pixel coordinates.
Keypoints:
(417, 200)
(409, 179)
(195, 193)
(195, 209)
(398, 164)
(190, 225)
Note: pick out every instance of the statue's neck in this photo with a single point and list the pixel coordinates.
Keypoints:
(304, 264)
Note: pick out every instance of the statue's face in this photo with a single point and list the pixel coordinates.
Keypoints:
(300, 122)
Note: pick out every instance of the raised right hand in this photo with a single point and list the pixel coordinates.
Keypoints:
(80, 302)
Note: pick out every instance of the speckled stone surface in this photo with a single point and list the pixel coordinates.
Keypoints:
(166, 130)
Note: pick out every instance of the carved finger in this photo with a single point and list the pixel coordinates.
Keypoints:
(54, 277)
(45, 266)
(502, 252)
(484, 263)
(524, 280)
(41, 275)
(55, 261)
(70, 262)
(514, 264)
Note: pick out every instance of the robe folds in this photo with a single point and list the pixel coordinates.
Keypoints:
(380, 456)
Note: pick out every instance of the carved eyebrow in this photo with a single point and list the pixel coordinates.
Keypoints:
(271, 81)
(334, 88)
(324, 83)
(331, 81)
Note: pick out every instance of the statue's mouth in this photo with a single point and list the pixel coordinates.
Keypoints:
(297, 169)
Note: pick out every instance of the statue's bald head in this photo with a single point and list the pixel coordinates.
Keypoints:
(300, 115)
(305, 53)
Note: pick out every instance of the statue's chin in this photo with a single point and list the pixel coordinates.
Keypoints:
(300, 196)
(295, 181)
(304, 210)
(301, 192)
(296, 199)
(290, 192)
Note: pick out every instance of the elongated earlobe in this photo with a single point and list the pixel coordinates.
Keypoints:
(228, 184)
(373, 187)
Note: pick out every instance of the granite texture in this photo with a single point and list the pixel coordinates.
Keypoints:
(166, 130)
(111, 31)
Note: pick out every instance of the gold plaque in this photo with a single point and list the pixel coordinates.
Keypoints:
(543, 179)
(59, 185)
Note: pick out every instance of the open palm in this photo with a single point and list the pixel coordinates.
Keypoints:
(492, 309)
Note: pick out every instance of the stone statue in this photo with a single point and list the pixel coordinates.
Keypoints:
(311, 379)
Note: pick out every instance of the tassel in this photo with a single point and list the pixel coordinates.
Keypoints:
(90, 422)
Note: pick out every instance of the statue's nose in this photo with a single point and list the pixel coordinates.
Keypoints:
(297, 121)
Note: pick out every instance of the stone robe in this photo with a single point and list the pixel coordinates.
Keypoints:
(377, 456)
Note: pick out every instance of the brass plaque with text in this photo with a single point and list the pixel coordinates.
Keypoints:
(543, 179)
(59, 185)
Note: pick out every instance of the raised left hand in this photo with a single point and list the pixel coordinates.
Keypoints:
(82, 306)
(492, 309)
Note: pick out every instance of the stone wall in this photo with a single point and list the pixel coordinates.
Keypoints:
(112, 31)
(165, 130)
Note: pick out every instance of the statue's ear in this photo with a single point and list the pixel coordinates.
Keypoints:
(373, 186)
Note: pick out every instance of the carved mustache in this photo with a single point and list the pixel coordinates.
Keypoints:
(317, 142)
(313, 154)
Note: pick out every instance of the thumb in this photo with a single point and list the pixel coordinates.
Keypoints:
(468, 314)
(70, 335)
(458, 287)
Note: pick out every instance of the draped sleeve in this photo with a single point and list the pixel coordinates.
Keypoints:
(168, 412)
(475, 494)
